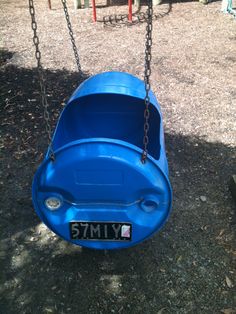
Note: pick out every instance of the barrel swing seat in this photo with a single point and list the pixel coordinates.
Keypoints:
(97, 193)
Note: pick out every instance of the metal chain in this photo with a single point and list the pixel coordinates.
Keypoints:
(71, 34)
(43, 94)
(147, 74)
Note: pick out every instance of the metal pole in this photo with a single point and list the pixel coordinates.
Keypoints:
(130, 10)
(49, 4)
(94, 11)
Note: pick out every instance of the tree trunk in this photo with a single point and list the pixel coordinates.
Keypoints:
(86, 3)
(77, 4)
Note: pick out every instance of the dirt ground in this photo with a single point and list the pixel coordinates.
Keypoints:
(189, 266)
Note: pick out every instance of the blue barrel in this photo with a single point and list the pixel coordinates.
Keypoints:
(97, 193)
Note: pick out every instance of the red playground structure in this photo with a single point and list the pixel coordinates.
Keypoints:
(95, 11)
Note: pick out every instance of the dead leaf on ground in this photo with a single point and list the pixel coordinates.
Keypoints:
(229, 282)
(228, 311)
(179, 259)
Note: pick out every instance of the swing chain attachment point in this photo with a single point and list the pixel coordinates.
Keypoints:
(43, 94)
(147, 74)
(69, 26)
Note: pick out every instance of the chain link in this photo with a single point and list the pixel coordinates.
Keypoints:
(147, 74)
(43, 94)
(71, 34)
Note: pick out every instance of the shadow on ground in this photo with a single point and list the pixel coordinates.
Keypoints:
(182, 269)
(138, 16)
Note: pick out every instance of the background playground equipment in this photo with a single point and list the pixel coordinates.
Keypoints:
(227, 7)
(86, 5)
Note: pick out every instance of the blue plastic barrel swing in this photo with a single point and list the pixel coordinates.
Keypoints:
(98, 193)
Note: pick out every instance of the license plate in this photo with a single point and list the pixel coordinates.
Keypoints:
(104, 231)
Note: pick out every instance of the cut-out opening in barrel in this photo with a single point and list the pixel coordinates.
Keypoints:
(112, 116)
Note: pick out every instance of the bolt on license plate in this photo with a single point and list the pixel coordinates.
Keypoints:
(105, 231)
